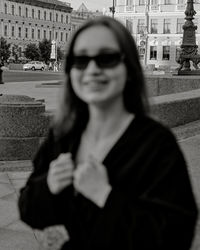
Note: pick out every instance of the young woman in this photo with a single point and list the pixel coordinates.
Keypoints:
(115, 178)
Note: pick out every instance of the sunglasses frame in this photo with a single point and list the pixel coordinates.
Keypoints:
(119, 57)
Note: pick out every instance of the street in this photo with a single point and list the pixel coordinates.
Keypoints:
(25, 76)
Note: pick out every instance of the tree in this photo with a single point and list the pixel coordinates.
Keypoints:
(15, 52)
(32, 52)
(60, 54)
(45, 50)
(4, 50)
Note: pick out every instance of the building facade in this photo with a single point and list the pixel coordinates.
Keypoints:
(27, 21)
(157, 27)
(80, 15)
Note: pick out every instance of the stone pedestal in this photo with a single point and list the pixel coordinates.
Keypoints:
(23, 124)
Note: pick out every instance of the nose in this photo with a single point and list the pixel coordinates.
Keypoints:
(92, 67)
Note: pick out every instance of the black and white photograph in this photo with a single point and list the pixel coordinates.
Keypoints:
(99, 125)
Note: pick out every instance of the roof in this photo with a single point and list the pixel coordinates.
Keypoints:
(54, 4)
(82, 8)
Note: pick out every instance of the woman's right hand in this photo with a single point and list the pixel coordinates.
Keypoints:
(60, 174)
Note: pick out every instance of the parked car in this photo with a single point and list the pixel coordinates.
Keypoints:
(34, 65)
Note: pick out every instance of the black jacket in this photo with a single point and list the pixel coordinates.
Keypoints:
(151, 205)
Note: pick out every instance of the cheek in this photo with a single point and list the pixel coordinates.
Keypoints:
(75, 77)
(120, 77)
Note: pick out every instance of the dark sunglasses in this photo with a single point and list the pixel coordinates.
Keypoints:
(103, 60)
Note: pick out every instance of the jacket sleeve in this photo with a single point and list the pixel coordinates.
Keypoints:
(37, 205)
(160, 217)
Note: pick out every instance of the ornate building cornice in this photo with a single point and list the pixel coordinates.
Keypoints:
(50, 4)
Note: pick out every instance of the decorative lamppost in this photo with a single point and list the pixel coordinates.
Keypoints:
(189, 48)
(112, 9)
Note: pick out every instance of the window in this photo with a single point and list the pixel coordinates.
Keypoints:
(61, 18)
(56, 17)
(166, 2)
(39, 14)
(129, 25)
(67, 18)
(5, 8)
(13, 9)
(153, 53)
(5, 30)
(26, 12)
(50, 35)
(20, 32)
(129, 2)
(61, 36)
(26, 32)
(50, 16)
(141, 2)
(66, 37)
(33, 13)
(20, 10)
(13, 31)
(38, 33)
(154, 26)
(180, 22)
(166, 52)
(167, 26)
(56, 35)
(154, 2)
(45, 15)
(45, 34)
(141, 26)
(33, 33)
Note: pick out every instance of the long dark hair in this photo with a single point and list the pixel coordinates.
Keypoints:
(73, 111)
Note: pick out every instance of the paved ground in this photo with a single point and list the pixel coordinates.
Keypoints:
(14, 235)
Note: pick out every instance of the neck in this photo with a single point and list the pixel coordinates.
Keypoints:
(105, 120)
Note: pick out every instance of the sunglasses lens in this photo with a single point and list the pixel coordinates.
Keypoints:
(108, 60)
(80, 62)
(104, 60)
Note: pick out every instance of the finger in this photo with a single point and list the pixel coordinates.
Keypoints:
(65, 156)
(61, 171)
(65, 175)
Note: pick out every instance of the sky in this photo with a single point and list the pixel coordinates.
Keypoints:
(90, 4)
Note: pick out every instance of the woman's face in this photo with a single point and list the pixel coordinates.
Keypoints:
(101, 79)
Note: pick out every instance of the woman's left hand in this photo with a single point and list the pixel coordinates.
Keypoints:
(91, 180)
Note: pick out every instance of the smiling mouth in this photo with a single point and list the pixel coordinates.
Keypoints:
(95, 82)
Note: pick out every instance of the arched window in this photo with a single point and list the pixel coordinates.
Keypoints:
(61, 18)
(38, 14)
(20, 10)
(20, 32)
(50, 16)
(33, 13)
(13, 9)
(45, 15)
(56, 17)
(5, 8)
(67, 18)
(26, 12)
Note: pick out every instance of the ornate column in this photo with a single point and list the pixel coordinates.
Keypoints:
(189, 47)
